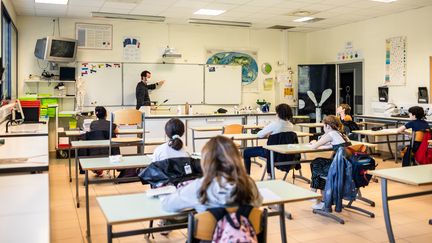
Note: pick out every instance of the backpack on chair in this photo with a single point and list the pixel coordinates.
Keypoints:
(423, 155)
(233, 227)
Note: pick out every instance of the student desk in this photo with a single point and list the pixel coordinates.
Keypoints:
(214, 129)
(298, 149)
(24, 154)
(387, 133)
(25, 129)
(309, 125)
(123, 209)
(415, 175)
(139, 161)
(25, 208)
(89, 144)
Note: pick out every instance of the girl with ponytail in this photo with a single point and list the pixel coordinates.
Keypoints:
(174, 148)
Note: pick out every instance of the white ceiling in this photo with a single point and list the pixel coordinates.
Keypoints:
(261, 13)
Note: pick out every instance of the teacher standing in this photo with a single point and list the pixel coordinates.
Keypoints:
(142, 89)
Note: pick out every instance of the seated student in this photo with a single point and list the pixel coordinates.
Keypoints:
(282, 124)
(417, 123)
(348, 125)
(224, 182)
(320, 166)
(102, 124)
(174, 148)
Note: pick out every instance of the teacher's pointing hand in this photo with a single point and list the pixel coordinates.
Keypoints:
(161, 82)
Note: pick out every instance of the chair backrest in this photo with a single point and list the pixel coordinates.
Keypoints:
(233, 129)
(128, 117)
(201, 226)
(283, 138)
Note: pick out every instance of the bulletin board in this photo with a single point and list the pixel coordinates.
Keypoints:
(396, 61)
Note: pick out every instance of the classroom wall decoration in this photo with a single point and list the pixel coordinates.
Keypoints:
(349, 53)
(94, 36)
(246, 60)
(396, 58)
(131, 49)
(92, 68)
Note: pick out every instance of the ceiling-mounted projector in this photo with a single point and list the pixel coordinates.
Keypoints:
(170, 53)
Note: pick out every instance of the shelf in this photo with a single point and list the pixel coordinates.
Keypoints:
(47, 81)
(59, 97)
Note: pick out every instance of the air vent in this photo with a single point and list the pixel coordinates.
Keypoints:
(301, 13)
(280, 27)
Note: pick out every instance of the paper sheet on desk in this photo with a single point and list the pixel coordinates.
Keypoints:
(268, 195)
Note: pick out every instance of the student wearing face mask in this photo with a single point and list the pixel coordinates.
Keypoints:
(142, 89)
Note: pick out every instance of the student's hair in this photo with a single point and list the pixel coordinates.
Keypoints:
(284, 111)
(346, 108)
(334, 122)
(101, 112)
(221, 158)
(417, 111)
(174, 129)
(144, 73)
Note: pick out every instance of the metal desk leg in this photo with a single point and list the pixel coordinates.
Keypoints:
(273, 176)
(282, 222)
(76, 178)
(386, 210)
(87, 203)
(193, 140)
(109, 233)
(70, 166)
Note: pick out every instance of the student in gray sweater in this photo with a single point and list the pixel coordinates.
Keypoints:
(225, 182)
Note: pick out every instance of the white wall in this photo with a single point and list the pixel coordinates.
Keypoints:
(190, 40)
(369, 37)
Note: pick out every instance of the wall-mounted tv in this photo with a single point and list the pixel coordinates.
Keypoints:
(56, 49)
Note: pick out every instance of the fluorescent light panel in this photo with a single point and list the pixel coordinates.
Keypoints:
(211, 12)
(64, 2)
(128, 16)
(384, 1)
(304, 19)
(219, 22)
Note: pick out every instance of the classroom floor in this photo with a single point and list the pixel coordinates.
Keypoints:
(409, 216)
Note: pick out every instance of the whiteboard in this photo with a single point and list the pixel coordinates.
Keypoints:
(102, 83)
(183, 82)
(223, 84)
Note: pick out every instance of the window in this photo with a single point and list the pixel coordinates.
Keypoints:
(9, 49)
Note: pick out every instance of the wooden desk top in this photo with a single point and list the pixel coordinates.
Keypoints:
(310, 125)
(249, 136)
(26, 208)
(136, 206)
(26, 129)
(383, 132)
(304, 148)
(219, 128)
(76, 133)
(105, 143)
(414, 175)
(138, 161)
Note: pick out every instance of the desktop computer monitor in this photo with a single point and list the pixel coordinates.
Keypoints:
(383, 94)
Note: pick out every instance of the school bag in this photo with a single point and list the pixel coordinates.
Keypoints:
(423, 155)
(350, 126)
(361, 163)
(233, 227)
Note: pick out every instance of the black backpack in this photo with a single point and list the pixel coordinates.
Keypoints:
(361, 164)
(350, 126)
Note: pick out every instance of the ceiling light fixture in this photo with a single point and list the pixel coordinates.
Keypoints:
(384, 1)
(219, 22)
(128, 16)
(211, 12)
(64, 2)
(304, 19)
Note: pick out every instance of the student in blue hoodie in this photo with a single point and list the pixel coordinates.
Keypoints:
(225, 182)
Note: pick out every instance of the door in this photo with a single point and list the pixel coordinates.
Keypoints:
(346, 88)
(350, 86)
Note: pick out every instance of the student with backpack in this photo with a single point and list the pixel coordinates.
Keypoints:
(348, 125)
(282, 124)
(174, 130)
(225, 182)
(333, 137)
(417, 123)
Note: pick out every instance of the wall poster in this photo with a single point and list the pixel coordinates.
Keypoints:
(396, 61)
(94, 36)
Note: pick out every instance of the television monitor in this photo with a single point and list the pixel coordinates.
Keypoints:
(423, 95)
(56, 49)
(383, 94)
(67, 73)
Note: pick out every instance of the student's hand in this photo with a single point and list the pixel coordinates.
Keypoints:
(161, 82)
(312, 142)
